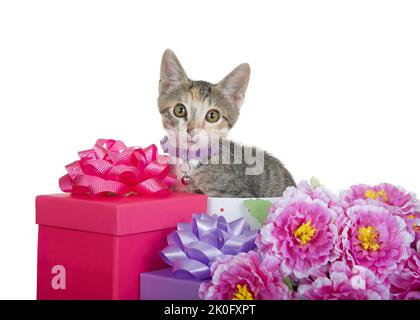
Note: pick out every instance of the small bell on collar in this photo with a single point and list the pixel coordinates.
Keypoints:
(186, 180)
(185, 168)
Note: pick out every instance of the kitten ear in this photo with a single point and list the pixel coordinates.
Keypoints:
(171, 72)
(234, 85)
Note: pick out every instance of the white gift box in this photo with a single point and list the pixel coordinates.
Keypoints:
(233, 208)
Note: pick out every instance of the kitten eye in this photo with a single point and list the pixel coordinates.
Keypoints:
(213, 116)
(180, 111)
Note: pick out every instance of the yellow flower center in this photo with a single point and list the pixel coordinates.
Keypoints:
(370, 194)
(242, 293)
(415, 226)
(376, 195)
(305, 233)
(368, 237)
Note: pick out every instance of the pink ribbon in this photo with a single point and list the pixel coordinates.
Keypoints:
(111, 167)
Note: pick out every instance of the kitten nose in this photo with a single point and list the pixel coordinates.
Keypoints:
(191, 133)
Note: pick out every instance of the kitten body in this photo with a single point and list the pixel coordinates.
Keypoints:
(231, 180)
(188, 109)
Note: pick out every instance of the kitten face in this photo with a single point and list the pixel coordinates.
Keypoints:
(195, 111)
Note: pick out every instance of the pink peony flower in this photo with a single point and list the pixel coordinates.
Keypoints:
(245, 277)
(300, 231)
(396, 199)
(344, 283)
(405, 285)
(385, 193)
(375, 238)
(413, 225)
(314, 191)
(305, 189)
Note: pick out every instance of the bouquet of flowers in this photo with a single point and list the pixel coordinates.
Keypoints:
(362, 244)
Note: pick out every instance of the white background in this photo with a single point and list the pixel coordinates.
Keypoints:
(334, 91)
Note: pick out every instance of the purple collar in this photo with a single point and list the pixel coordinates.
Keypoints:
(187, 154)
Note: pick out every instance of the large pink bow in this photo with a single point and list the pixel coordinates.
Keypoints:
(111, 167)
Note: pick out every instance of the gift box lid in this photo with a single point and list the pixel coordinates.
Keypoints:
(118, 215)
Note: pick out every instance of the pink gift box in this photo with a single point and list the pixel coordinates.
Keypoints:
(96, 248)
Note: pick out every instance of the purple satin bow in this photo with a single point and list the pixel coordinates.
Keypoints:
(194, 246)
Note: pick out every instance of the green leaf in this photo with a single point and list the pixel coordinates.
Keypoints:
(289, 283)
(315, 183)
(258, 208)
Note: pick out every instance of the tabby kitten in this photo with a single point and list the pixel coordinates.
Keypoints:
(196, 112)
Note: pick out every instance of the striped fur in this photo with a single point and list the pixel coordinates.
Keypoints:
(199, 97)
